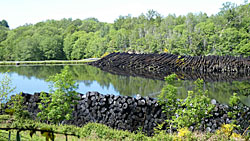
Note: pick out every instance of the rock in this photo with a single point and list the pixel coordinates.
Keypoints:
(158, 65)
(138, 97)
(209, 124)
(208, 129)
(142, 102)
(128, 113)
(213, 101)
(216, 114)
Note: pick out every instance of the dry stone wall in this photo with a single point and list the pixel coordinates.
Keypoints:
(130, 113)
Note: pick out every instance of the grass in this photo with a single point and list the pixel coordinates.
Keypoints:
(115, 135)
(99, 132)
(47, 62)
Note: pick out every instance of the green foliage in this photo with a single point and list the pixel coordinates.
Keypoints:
(225, 33)
(196, 107)
(16, 103)
(188, 111)
(4, 23)
(57, 106)
(227, 130)
(236, 105)
(5, 89)
(132, 85)
(3, 34)
(168, 97)
(96, 131)
(234, 100)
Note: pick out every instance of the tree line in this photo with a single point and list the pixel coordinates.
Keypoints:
(225, 33)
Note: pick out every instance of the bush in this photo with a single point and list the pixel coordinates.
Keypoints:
(57, 106)
(184, 112)
(5, 89)
(16, 105)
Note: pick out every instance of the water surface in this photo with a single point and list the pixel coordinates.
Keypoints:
(30, 79)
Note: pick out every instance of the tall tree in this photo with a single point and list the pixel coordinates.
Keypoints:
(4, 23)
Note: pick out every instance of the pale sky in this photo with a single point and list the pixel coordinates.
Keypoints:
(20, 12)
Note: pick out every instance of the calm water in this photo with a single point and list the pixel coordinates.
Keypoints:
(30, 79)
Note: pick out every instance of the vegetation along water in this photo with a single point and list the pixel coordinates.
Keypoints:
(50, 41)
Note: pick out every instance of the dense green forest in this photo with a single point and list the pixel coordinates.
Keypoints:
(225, 33)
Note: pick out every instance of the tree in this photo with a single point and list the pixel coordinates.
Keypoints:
(10, 45)
(75, 44)
(28, 50)
(5, 89)
(96, 47)
(229, 13)
(152, 15)
(52, 47)
(90, 25)
(3, 33)
(229, 39)
(225, 33)
(57, 105)
(79, 47)
(3, 37)
(4, 23)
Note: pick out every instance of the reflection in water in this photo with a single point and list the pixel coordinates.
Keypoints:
(221, 91)
(31, 79)
(90, 78)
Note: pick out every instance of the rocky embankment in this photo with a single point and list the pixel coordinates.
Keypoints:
(159, 65)
(130, 113)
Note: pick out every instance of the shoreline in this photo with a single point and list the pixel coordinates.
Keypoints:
(83, 61)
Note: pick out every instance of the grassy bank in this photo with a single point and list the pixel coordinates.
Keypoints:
(96, 131)
(48, 62)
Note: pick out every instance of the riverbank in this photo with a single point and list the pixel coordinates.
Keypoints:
(49, 62)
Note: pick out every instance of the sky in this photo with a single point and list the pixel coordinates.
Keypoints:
(21, 12)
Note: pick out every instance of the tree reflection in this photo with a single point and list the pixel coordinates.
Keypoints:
(132, 85)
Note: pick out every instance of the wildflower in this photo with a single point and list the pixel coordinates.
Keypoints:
(227, 130)
(165, 50)
(235, 135)
(183, 132)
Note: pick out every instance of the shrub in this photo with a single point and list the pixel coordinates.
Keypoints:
(227, 131)
(5, 89)
(16, 105)
(184, 112)
(57, 106)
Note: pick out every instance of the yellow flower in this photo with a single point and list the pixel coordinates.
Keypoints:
(235, 135)
(218, 132)
(165, 50)
(183, 132)
(227, 130)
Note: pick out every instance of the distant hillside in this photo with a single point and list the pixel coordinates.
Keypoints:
(226, 33)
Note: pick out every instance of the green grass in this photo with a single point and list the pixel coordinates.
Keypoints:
(97, 132)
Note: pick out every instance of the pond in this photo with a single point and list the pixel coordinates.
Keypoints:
(32, 78)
